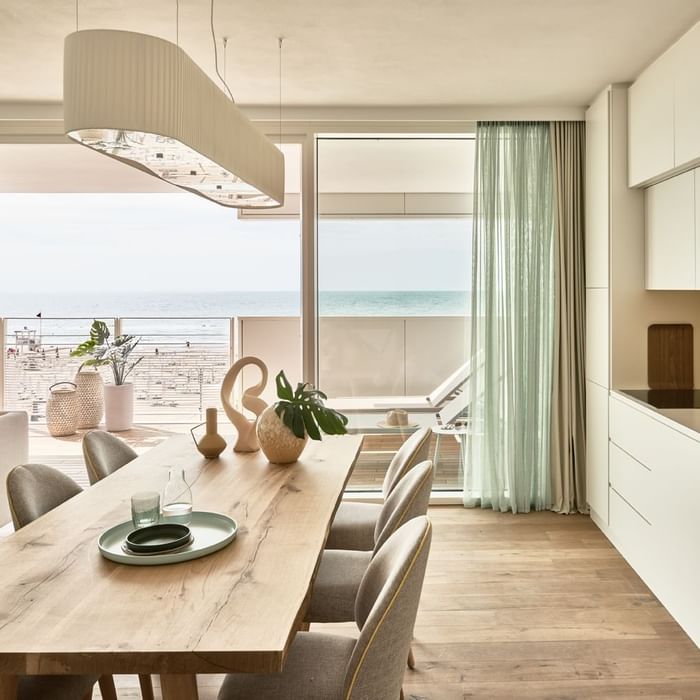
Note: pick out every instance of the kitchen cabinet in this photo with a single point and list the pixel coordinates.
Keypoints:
(671, 233)
(651, 121)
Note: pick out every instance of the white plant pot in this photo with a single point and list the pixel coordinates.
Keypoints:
(119, 407)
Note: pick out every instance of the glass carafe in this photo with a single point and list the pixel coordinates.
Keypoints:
(177, 499)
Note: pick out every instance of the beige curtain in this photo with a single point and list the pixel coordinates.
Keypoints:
(568, 429)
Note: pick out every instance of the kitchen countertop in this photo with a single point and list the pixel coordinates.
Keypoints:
(678, 409)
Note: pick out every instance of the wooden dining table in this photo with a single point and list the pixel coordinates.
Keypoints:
(64, 609)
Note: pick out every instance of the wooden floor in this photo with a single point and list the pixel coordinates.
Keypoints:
(534, 607)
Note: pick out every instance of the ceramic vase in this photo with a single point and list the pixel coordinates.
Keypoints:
(278, 443)
(211, 445)
(119, 407)
(91, 403)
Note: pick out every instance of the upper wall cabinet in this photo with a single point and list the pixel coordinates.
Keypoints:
(651, 150)
(687, 98)
(670, 233)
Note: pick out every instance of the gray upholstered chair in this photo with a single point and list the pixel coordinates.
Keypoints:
(354, 523)
(371, 667)
(104, 453)
(32, 491)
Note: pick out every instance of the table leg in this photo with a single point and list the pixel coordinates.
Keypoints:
(8, 687)
(177, 687)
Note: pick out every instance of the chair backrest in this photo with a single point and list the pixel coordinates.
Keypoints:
(408, 500)
(385, 611)
(35, 489)
(413, 450)
(104, 453)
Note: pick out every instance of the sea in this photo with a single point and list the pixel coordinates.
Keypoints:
(203, 313)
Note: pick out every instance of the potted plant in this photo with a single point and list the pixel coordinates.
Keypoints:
(284, 427)
(103, 350)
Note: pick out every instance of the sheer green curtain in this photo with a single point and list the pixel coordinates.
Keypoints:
(513, 318)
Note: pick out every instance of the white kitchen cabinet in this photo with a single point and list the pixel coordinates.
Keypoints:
(687, 99)
(597, 449)
(651, 121)
(670, 233)
(598, 336)
(598, 191)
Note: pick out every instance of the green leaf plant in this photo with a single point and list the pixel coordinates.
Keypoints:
(303, 412)
(103, 351)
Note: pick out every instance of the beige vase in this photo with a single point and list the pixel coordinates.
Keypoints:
(279, 444)
(91, 403)
(211, 445)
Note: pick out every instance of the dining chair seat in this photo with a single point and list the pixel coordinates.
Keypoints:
(371, 666)
(336, 585)
(55, 687)
(353, 525)
(303, 676)
(104, 453)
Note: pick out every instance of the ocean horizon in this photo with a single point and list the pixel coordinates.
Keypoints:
(26, 305)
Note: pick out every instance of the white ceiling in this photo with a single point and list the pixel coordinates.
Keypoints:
(370, 52)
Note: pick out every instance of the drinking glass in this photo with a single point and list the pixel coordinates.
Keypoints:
(145, 508)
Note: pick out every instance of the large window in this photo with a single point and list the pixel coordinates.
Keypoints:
(394, 267)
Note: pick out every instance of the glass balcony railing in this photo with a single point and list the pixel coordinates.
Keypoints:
(185, 360)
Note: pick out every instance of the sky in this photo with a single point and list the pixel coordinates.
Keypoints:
(175, 242)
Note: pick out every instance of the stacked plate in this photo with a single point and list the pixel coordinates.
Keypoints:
(168, 543)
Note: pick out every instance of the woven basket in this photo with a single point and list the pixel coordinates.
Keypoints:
(91, 401)
(62, 409)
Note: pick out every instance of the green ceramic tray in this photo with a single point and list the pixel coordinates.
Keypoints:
(210, 532)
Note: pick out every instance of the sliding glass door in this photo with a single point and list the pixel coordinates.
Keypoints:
(394, 265)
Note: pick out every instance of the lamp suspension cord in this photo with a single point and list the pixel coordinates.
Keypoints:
(225, 43)
(177, 22)
(76, 15)
(216, 53)
(280, 86)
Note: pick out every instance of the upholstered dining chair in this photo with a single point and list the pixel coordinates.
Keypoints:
(32, 491)
(354, 523)
(333, 667)
(340, 571)
(104, 453)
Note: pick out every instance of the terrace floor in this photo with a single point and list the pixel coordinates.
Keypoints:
(534, 607)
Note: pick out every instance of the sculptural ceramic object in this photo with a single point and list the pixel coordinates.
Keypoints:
(211, 445)
(247, 439)
(279, 444)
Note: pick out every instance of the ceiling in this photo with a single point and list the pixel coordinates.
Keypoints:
(370, 52)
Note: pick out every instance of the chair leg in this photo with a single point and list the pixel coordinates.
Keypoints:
(411, 659)
(107, 689)
(88, 696)
(304, 627)
(146, 687)
(401, 696)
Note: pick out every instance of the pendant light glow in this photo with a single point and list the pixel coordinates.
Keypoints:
(143, 101)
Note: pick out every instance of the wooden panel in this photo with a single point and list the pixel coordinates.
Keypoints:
(597, 191)
(598, 336)
(597, 449)
(670, 356)
(651, 122)
(238, 608)
(670, 233)
(633, 481)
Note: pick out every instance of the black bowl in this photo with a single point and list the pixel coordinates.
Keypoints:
(158, 538)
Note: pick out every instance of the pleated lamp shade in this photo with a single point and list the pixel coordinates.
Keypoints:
(144, 101)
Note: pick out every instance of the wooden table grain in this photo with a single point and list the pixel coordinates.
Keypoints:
(66, 609)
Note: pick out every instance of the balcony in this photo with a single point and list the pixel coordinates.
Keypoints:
(185, 360)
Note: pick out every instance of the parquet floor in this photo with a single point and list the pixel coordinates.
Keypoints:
(534, 607)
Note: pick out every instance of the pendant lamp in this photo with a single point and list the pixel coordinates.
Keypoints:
(143, 100)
